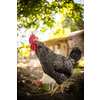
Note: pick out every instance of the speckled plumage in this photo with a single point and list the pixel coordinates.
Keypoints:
(56, 66)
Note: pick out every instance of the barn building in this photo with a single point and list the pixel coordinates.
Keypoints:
(63, 46)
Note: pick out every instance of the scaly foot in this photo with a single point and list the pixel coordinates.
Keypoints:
(55, 89)
(61, 90)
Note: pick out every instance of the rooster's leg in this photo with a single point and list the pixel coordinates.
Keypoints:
(61, 88)
(55, 89)
(49, 86)
(52, 87)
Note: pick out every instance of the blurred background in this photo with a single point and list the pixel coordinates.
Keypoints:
(57, 23)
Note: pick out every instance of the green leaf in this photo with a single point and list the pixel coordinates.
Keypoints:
(44, 88)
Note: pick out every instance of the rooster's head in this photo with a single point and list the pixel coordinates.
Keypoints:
(33, 41)
(38, 82)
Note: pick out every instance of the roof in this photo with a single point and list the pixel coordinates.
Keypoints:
(59, 40)
(54, 41)
(75, 33)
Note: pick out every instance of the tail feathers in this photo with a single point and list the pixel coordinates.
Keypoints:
(75, 54)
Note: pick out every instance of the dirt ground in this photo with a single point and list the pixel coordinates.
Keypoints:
(27, 89)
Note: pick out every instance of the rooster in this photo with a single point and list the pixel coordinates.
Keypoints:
(47, 80)
(58, 67)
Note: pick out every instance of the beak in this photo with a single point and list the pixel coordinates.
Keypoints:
(34, 40)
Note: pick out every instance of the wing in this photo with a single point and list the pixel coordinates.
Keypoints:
(66, 67)
(57, 76)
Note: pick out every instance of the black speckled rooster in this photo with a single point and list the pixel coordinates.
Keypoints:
(58, 67)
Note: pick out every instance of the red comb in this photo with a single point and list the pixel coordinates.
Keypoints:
(38, 82)
(32, 37)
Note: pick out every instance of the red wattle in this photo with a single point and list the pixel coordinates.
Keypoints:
(34, 46)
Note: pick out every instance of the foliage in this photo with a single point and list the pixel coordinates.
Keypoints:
(24, 50)
(59, 31)
(31, 12)
(74, 20)
(73, 24)
(44, 88)
(77, 72)
(20, 63)
(81, 63)
(25, 68)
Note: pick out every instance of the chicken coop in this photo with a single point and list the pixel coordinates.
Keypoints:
(61, 46)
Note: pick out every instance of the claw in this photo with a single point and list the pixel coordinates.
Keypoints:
(57, 88)
(62, 91)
